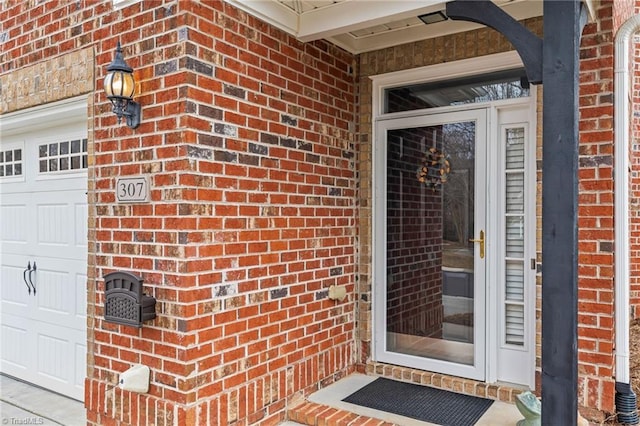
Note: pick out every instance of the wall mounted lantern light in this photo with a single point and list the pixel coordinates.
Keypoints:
(120, 87)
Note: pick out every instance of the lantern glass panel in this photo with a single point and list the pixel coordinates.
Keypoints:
(119, 84)
(108, 89)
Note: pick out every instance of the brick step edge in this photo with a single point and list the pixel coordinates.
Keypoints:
(312, 414)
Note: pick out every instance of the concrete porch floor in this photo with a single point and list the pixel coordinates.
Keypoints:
(22, 403)
(327, 404)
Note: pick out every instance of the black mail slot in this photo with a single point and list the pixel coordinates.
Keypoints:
(125, 303)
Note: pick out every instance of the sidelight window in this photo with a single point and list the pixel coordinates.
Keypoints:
(515, 238)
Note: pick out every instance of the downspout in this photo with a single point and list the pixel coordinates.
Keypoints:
(625, 397)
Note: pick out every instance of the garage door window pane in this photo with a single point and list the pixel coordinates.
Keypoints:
(63, 156)
(11, 162)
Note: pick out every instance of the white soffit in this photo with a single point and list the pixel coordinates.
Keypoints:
(364, 25)
(354, 15)
(412, 29)
(272, 12)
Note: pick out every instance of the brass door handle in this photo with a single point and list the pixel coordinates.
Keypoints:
(481, 241)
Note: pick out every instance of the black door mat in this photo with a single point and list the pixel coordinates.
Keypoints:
(421, 402)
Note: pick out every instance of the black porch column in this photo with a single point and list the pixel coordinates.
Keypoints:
(563, 23)
(559, 54)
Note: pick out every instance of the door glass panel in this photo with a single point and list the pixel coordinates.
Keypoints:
(430, 261)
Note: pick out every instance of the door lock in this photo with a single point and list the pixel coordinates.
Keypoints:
(481, 241)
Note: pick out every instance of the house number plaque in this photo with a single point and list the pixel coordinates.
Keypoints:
(132, 190)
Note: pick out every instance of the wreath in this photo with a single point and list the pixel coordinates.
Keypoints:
(434, 169)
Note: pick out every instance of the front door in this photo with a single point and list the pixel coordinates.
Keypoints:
(451, 243)
(435, 275)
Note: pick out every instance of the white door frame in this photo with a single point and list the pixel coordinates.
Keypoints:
(478, 369)
(486, 64)
(500, 356)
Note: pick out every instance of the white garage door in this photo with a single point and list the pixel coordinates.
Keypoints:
(43, 234)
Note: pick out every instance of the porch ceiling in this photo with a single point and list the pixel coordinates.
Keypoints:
(365, 25)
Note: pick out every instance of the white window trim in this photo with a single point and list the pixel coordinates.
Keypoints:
(449, 70)
(58, 174)
(12, 146)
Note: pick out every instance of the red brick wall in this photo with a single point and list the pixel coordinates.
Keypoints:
(245, 137)
(596, 335)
